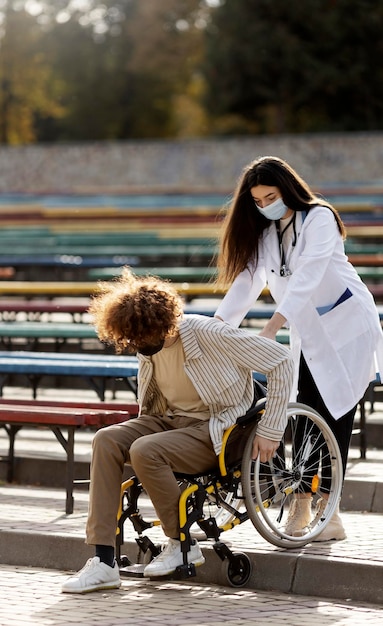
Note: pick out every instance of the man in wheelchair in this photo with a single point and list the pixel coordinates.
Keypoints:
(195, 380)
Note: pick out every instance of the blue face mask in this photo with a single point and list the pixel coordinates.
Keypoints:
(274, 211)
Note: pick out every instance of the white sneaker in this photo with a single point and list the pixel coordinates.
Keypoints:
(93, 576)
(171, 557)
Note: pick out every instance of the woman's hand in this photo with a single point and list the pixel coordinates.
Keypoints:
(217, 317)
(274, 324)
(269, 334)
(265, 448)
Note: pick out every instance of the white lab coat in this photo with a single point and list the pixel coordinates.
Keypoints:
(342, 344)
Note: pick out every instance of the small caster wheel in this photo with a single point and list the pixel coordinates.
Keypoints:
(237, 569)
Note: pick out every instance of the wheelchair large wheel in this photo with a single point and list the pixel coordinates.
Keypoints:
(307, 461)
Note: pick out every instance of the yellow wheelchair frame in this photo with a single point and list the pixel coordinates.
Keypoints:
(241, 489)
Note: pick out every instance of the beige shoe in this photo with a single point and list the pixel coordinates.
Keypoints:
(334, 530)
(299, 518)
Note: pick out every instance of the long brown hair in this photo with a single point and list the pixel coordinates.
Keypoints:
(243, 225)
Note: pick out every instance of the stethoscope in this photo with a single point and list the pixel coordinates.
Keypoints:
(284, 271)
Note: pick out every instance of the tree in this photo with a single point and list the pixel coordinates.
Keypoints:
(276, 66)
(101, 69)
(27, 85)
(125, 65)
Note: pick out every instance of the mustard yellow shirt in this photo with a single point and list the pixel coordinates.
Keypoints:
(181, 395)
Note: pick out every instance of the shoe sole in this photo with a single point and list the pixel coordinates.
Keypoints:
(319, 540)
(298, 533)
(116, 585)
(171, 571)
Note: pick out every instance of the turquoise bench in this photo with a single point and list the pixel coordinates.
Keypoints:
(176, 274)
(34, 332)
(370, 273)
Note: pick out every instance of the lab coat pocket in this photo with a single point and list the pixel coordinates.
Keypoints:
(344, 323)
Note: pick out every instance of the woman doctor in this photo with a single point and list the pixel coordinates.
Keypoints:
(277, 232)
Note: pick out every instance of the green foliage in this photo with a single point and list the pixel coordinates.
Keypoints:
(121, 69)
(28, 87)
(296, 66)
(115, 69)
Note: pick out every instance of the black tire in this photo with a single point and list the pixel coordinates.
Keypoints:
(237, 569)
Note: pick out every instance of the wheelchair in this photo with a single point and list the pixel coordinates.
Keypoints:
(241, 489)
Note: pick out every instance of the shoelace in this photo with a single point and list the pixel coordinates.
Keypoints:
(166, 551)
(88, 565)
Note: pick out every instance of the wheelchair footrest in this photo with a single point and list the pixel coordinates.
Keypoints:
(185, 571)
(136, 570)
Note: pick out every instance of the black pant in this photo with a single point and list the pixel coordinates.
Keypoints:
(308, 394)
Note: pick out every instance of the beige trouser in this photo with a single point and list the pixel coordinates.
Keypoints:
(155, 447)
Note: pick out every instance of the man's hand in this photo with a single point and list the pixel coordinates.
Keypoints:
(265, 448)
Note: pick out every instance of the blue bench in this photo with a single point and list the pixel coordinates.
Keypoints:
(95, 370)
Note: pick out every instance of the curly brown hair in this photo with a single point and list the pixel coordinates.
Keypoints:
(135, 311)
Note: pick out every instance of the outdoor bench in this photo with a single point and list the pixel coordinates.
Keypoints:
(34, 332)
(34, 310)
(44, 310)
(189, 290)
(189, 274)
(366, 259)
(32, 335)
(58, 418)
(95, 370)
(372, 271)
(26, 289)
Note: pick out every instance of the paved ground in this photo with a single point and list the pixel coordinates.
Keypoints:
(35, 531)
(32, 596)
(290, 587)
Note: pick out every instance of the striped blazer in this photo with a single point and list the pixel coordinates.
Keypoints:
(219, 360)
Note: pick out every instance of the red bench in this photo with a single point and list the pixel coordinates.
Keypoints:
(35, 309)
(58, 416)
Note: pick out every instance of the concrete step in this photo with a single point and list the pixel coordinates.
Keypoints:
(35, 532)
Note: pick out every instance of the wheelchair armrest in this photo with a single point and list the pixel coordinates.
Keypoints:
(253, 412)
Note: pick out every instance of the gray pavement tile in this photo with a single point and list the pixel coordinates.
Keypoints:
(33, 596)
